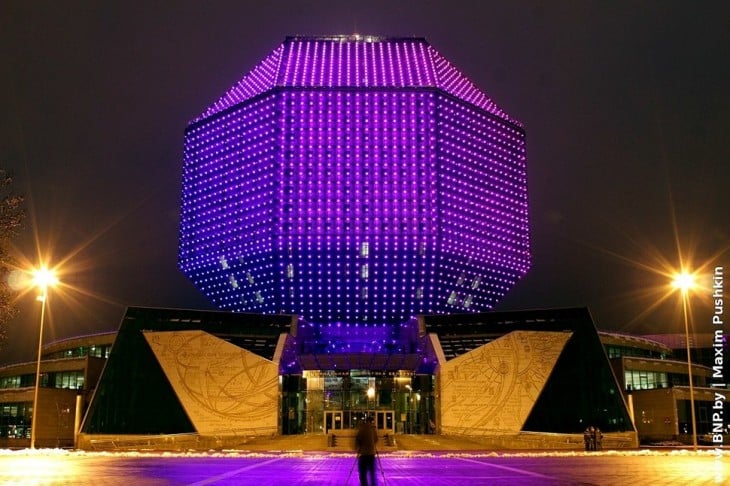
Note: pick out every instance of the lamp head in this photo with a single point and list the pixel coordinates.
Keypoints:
(684, 281)
(44, 278)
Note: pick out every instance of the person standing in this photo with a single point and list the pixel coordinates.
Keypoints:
(365, 440)
(592, 438)
(597, 439)
(587, 438)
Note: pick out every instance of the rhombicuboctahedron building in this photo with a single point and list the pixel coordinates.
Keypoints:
(360, 206)
(354, 179)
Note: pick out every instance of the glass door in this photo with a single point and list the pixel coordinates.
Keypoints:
(384, 420)
(332, 420)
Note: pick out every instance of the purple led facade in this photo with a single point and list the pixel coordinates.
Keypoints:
(354, 179)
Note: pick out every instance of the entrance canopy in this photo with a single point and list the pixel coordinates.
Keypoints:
(340, 346)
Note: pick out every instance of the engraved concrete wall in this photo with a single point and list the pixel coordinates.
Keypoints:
(493, 388)
(224, 389)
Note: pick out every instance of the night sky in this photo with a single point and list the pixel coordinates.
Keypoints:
(626, 106)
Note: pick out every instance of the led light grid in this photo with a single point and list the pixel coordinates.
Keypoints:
(355, 62)
(354, 180)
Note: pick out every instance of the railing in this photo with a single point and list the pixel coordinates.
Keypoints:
(173, 441)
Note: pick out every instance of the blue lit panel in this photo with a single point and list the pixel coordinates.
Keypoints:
(228, 207)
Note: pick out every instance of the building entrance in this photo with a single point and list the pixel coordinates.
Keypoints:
(326, 401)
(335, 420)
(384, 420)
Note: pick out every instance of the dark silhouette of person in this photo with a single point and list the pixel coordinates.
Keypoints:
(597, 439)
(365, 441)
(587, 438)
(591, 438)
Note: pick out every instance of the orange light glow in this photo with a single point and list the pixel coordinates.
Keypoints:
(684, 281)
(44, 278)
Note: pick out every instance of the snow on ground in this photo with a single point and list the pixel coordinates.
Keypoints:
(725, 452)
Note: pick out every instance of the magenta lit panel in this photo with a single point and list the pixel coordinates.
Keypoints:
(355, 62)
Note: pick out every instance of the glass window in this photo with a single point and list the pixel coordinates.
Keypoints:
(645, 380)
(68, 379)
(15, 420)
(10, 382)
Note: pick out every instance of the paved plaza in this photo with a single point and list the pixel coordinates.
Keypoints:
(446, 468)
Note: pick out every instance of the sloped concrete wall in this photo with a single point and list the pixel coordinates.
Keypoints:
(492, 389)
(225, 390)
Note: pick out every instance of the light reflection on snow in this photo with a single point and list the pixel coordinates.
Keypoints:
(53, 453)
(45, 463)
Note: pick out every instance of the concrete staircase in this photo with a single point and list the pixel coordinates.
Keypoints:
(344, 441)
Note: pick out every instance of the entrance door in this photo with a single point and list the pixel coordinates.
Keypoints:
(384, 420)
(332, 420)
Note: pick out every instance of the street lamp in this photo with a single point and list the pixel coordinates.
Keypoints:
(42, 279)
(409, 407)
(685, 281)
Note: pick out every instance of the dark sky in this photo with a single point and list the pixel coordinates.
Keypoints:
(626, 106)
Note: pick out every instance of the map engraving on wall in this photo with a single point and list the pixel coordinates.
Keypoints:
(224, 389)
(493, 388)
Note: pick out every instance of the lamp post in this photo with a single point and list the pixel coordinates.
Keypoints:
(42, 278)
(409, 406)
(685, 281)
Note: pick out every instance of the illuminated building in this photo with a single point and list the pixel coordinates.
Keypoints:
(202, 379)
(653, 374)
(354, 179)
(70, 370)
(360, 206)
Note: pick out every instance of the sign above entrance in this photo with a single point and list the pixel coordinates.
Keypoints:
(330, 373)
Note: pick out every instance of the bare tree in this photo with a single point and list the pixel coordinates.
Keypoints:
(12, 215)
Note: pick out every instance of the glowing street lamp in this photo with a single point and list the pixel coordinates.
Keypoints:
(43, 278)
(409, 408)
(685, 281)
